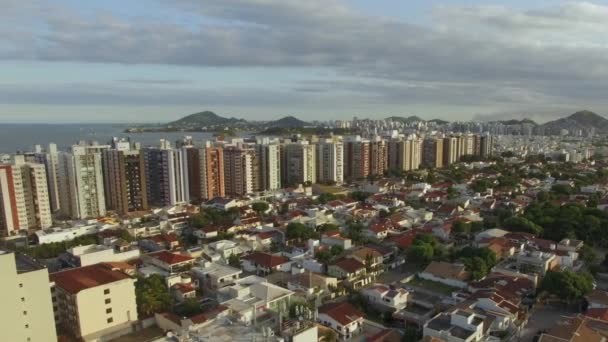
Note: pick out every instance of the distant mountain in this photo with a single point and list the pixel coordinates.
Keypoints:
(409, 119)
(439, 121)
(288, 122)
(204, 119)
(518, 122)
(583, 120)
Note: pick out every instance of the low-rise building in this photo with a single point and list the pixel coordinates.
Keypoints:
(93, 254)
(264, 264)
(168, 262)
(344, 318)
(215, 276)
(446, 273)
(94, 302)
(455, 326)
(383, 295)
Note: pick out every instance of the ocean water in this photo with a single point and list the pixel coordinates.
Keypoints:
(23, 137)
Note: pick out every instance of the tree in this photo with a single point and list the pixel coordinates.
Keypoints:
(477, 267)
(461, 227)
(327, 227)
(477, 226)
(481, 185)
(562, 189)
(411, 334)
(452, 192)
(299, 231)
(360, 196)
(588, 255)
(522, 224)
(260, 207)
(188, 308)
(420, 254)
(327, 197)
(151, 295)
(234, 260)
(567, 285)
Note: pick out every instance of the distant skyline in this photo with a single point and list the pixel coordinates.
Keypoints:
(157, 60)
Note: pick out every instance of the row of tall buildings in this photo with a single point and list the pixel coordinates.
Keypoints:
(91, 179)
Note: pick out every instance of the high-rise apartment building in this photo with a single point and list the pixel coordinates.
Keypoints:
(357, 158)
(206, 172)
(300, 163)
(486, 145)
(26, 298)
(239, 171)
(81, 182)
(405, 154)
(124, 179)
(269, 157)
(50, 159)
(378, 156)
(450, 150)
(24, 198)
(432, 152)
(166, 175)
(330, 161)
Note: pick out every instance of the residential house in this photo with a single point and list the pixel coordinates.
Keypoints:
(446, 273)
(383, 295)
(168, 262)
(264, 264)
(455, 326)
(344, 318)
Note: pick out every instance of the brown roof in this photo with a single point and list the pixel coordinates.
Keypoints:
(598, 296)
(387, 335)
(266, 260)
(170, 258)
(350, 265)
(447, 270)
(78, 279)
(343, 313)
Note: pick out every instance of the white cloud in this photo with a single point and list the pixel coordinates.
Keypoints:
(490, 57)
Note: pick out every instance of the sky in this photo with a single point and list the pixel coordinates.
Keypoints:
(140, 61)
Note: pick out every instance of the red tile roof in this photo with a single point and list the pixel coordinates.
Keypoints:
(78, 279)
(266, 260)
(343, 313)
(349, 265)
(170, 258)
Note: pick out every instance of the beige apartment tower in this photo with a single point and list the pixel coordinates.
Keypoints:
(25, 294)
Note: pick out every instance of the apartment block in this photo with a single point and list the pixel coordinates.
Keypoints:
(81, 182)
(300, 163)
(95, 302)
(24, 198)
(239, 171)
(166, 175)
(330, 161)
(27, 314)
(357, 158)
(432, 153)
(124, 180)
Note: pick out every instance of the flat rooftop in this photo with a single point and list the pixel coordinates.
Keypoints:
(26, 264)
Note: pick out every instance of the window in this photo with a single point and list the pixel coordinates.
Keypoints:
(108, 300)
(20, 284)
(25, 313)
(110, 320)
(23, 299)
(27, 326)
(106, 291)
(109, 310)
